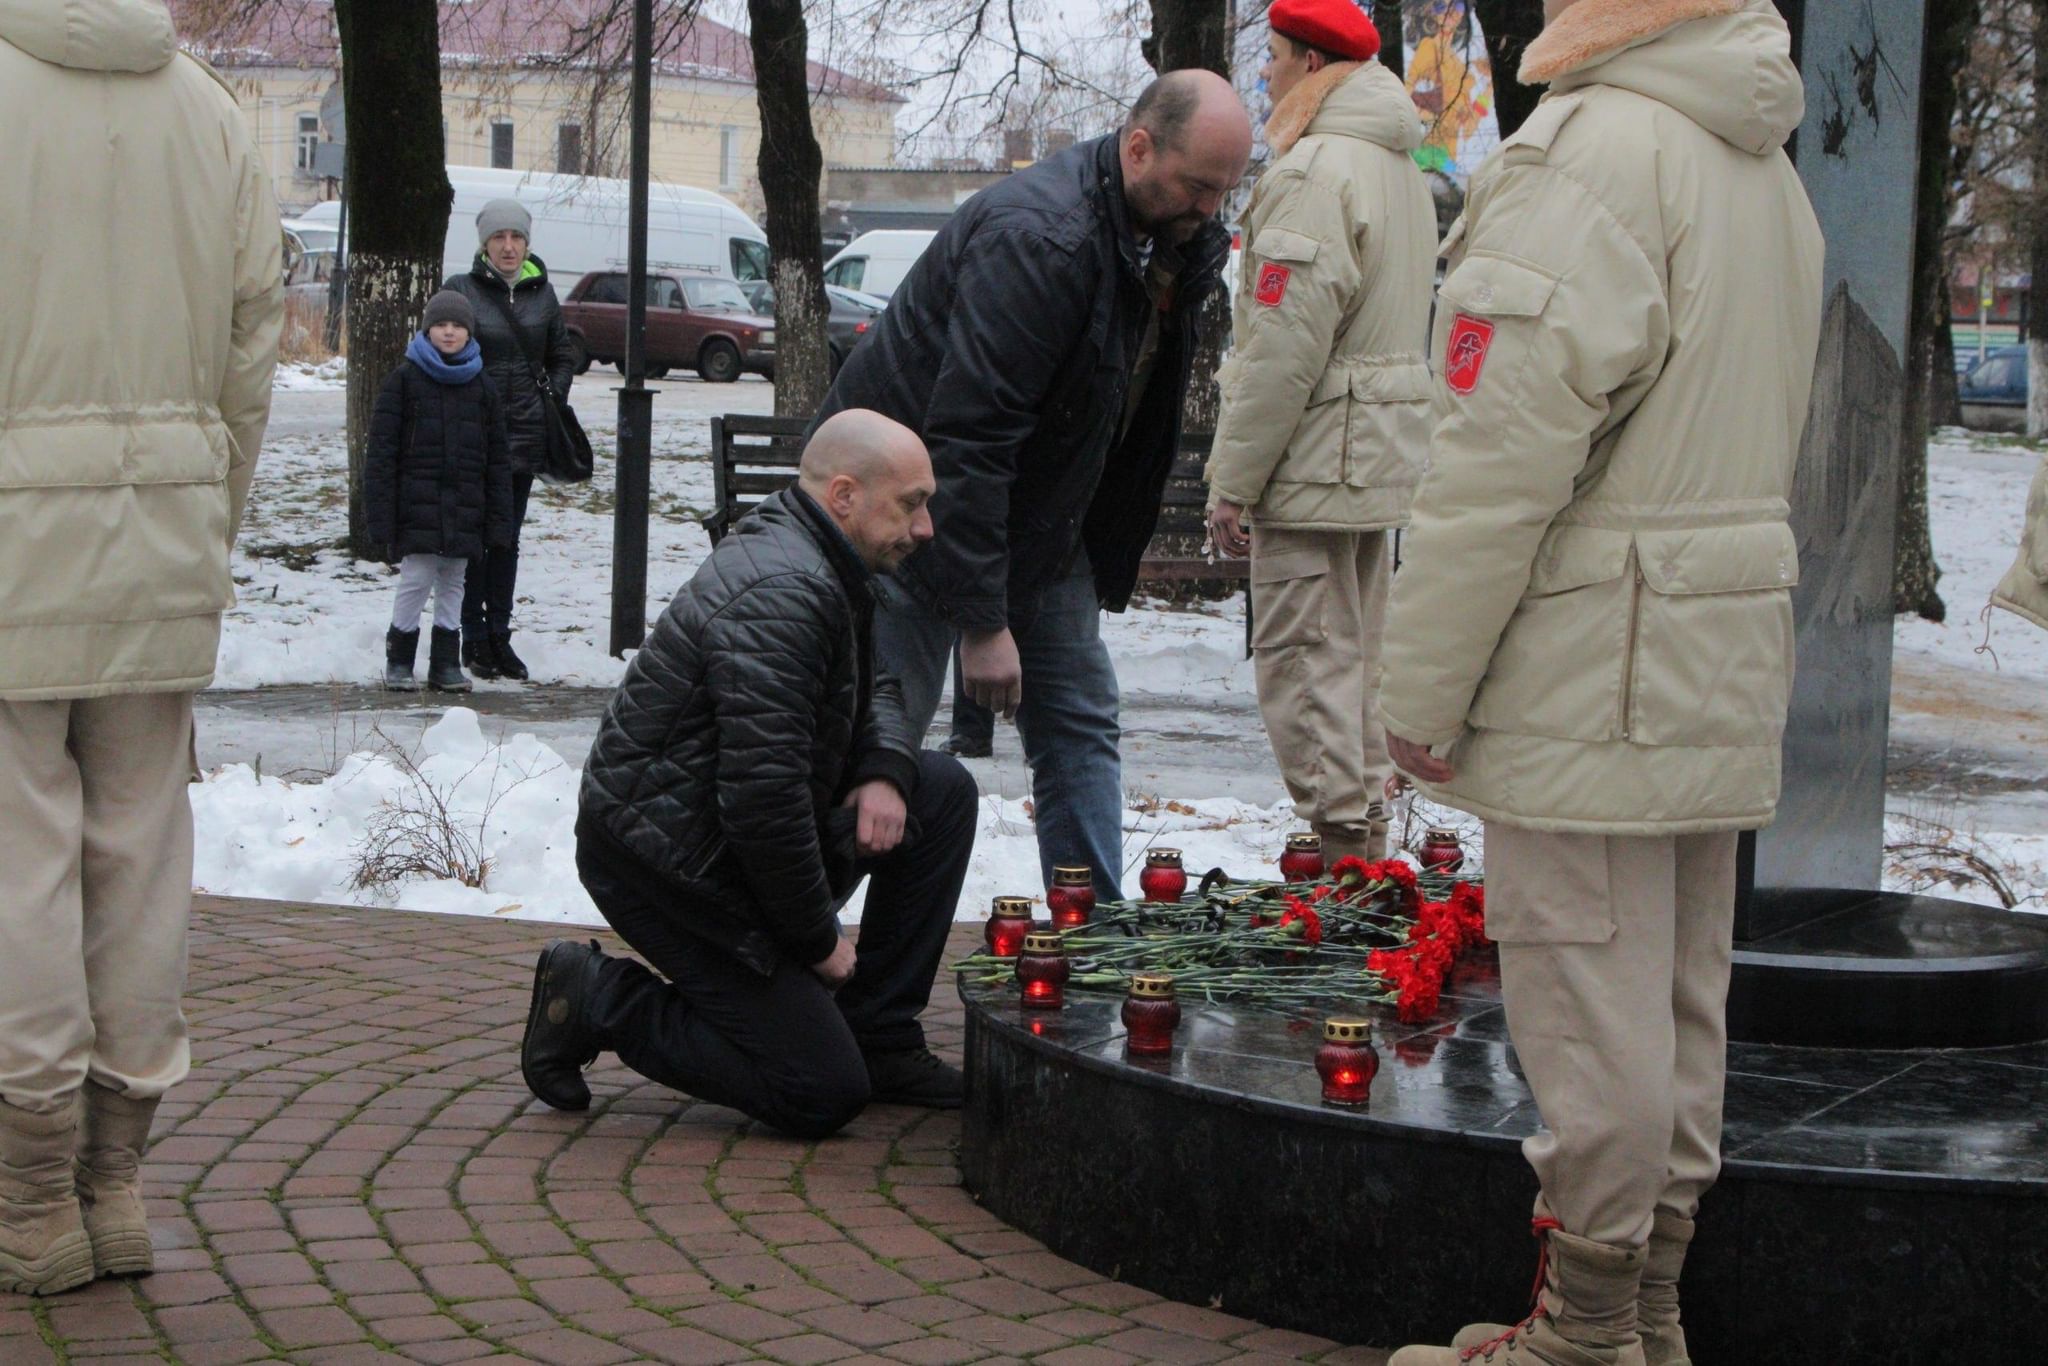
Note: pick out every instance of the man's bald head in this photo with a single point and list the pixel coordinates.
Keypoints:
(1185, 145)
(873, 477)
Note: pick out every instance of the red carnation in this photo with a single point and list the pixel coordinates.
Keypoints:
(1311, 923)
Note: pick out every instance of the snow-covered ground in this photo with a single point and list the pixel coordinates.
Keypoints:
(308, 614)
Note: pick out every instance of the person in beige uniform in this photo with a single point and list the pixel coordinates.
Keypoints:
(143, 277)
(1590, 644)
(2024, 589)
(1326, 405)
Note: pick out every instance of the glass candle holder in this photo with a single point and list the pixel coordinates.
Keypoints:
(1071, 898)
(1346, 1062)
(1042, 971)
(1163, 878)
(1151, 1014)
(1009, 920)
(1441, 852)
(1303, 859)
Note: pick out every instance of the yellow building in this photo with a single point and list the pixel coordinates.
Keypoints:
(511, 98)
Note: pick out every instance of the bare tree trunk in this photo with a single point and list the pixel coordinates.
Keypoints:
(2037, 225)
(1386, 17)
(1944, 403)
(1196, 33)
(1914, 572)
(1509, 26)
(398, 198)
(790, 166)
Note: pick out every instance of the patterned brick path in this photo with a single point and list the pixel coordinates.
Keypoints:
(354, 1172)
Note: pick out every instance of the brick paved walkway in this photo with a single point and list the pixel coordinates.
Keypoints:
(354, 1172)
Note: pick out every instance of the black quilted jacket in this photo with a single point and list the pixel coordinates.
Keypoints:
(436, 478)
(749, 714)
(540, 323)
(1009, 347)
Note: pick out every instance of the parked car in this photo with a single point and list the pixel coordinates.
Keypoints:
(876, 262)
(695, 321)
(1994, 391)
(853, 314)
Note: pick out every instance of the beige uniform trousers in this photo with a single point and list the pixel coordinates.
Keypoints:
(1614, 954)
(96, 844)
(1319, 606)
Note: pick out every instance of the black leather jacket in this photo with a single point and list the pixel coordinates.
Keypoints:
(1009, 348)
(750, 713)
(540, 320)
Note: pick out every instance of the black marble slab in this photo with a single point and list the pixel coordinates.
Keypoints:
(1218, 1175)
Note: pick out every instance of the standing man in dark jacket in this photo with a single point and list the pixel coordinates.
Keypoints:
(507, 276)
(1041, 346)
(753, 767)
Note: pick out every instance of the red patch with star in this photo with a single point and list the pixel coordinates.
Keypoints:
(1465, 353)
(1272, 284)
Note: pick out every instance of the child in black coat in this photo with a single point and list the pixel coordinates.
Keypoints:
(437, 484)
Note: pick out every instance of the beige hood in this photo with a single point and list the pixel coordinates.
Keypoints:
(1724, 64)
(1347, 99)
(91, 35)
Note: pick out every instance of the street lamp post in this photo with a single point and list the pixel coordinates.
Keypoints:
(636, 400)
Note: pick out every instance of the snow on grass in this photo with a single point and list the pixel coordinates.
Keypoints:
(1977, 502)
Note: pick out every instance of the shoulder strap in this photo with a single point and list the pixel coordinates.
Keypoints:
(540, 374)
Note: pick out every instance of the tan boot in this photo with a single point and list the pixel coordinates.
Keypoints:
(1657, 1306)
(111, 1137)
(43, 1247)
(1585, 1312)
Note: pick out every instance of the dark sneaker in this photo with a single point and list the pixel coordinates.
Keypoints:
(962, 748)
(557, 1046)
(912, 1076)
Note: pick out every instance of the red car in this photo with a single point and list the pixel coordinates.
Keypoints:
(695, 321)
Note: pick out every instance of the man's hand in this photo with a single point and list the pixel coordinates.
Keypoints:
(882, 813)
(1226, 529)
(836, 969)
(1416, 760)
(991, 670)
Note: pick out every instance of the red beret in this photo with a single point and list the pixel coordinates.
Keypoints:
(1338, 26)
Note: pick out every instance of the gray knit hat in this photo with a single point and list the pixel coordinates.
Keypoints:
(501, 215)
(449, 307)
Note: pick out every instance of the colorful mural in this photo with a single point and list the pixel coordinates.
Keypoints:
(1452, 84)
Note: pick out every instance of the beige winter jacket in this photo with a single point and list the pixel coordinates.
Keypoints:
(1594, 623)
(2024, 589)
(1326, 395)
(141, 276)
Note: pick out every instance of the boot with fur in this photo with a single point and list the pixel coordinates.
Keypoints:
(43, 1245)
(1585, 1312)
(111, 1137)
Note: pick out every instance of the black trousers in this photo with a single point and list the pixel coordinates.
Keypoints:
(783, 1048)
(487, 588)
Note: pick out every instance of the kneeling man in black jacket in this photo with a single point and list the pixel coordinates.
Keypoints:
(751, 769)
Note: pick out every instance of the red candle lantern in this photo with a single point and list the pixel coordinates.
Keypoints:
(1303, 861)
(1009, 921)
(1163, 879)
(1042, 971)
(1071, 898)
(1441, 852)
(1151, 1014)
(1346, 1062)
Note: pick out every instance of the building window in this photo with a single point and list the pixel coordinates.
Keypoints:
(309, 138)
(728, 158)
(501, 144)
(569, 148)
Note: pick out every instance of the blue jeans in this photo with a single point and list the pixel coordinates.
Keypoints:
(1067, 720)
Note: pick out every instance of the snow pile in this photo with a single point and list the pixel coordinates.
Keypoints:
(302, 375)
(514, 802)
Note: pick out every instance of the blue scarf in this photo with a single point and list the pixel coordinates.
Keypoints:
(466, 365)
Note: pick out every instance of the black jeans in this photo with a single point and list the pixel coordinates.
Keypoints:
(487, 588)
(783, 1048)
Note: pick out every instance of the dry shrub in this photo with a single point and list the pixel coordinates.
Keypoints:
(417, 834)
(305, 331)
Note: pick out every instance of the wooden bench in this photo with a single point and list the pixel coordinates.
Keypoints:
(753, 457)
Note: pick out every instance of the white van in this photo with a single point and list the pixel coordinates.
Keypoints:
(579, 225)
(876, 262)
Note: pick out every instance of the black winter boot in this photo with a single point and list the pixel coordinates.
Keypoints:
(558, 1045)
(444, 664)
(401, 651)
(477, 655)
(509, 664)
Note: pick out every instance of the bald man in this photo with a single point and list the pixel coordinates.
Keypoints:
(753, 767)
(1041, 347)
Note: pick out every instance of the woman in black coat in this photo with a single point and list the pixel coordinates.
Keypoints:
(507, 276)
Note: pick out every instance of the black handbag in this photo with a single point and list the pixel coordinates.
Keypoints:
(570, 459)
